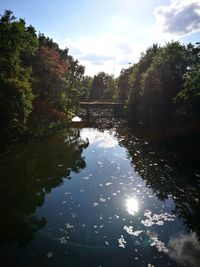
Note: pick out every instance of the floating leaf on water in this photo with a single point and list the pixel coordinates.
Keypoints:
(49, 254)
(156, 242)
(121, 242)
(86, 177)
(63, 240)
(73, 215)
(129, 229)
(137, 233)
(158, 219)
(160, 222)
(69, 226)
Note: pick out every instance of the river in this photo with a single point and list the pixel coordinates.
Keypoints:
(100, 198)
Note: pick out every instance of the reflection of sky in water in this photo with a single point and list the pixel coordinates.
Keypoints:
(100, 139)
(107, 216)
(76, 119)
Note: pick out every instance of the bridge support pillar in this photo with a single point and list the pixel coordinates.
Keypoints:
(88, 113)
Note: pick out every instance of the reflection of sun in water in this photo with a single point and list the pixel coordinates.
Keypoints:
(132, 205)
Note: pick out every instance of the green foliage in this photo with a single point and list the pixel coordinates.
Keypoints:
(123, 84)
(86, 84)
(102, 87)
(164, 90)
(188, 99)
(161, 82)
(18, 44)
(34, 73)
(135, 78)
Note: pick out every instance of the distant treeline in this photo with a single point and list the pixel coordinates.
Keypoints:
(39, 82)
(161, 91)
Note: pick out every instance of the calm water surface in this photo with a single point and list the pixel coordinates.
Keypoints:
(97, 198)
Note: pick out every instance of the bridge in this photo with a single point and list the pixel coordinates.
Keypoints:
(116, 106)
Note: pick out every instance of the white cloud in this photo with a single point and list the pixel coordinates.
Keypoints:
(96, 59)
(179, 18)
(185, 249)
(105, 139)
(104, 52)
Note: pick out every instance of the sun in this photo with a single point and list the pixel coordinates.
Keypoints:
(132, 205)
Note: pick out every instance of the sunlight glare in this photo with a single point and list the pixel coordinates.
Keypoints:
(132, 205)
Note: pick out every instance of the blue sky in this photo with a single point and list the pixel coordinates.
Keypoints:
(107, 35)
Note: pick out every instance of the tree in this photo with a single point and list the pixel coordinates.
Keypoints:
(86, 83)
(123, 84)
(135, 78)
(188, 101)
(161, 83)
(18, 44)
(102, 87)
(49, 70)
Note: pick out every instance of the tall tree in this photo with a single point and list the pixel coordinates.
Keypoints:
(135, 91)
(18, 44)
(188, 102)
(161, 83)
(102, 87)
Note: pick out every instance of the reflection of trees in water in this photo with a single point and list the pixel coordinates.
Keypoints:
(28, 173)
(166, 176)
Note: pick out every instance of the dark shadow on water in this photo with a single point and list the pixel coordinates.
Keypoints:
(168, 172)
(28, 173)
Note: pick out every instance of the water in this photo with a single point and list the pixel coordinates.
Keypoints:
(89, 197)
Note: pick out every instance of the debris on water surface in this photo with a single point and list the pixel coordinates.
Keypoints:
(156, 242)
(129, 230)
(67, 193)
(86, 177)
(63, 240)
(158, 219)
(121, 242)
(49, 254)
(69, 226)
(73, 215)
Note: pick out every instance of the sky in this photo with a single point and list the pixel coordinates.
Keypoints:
(108, 35)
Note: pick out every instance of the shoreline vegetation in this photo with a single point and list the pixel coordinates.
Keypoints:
(41, 86)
